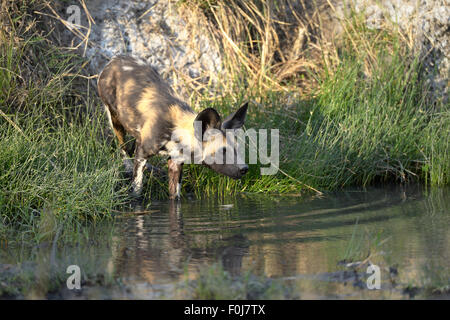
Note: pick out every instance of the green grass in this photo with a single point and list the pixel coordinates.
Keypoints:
(56, 167)
(364, 245)
(371, 120)
(214, 283)
(51, 175)
(355, 131)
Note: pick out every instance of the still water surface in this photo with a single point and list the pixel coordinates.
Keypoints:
(304, 241)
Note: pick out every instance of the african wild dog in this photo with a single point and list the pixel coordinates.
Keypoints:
(140, 103)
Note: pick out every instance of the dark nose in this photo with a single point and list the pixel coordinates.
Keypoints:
(244, 170)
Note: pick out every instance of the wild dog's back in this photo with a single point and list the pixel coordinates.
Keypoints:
(135, 94)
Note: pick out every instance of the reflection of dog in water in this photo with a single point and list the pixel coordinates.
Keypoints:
(156, 247)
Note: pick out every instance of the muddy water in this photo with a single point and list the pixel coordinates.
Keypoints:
(319, 246)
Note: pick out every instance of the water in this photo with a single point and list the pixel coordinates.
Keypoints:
(304, 242)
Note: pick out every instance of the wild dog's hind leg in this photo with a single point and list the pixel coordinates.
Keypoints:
(138, 170)
(175, 176)
(119, 131)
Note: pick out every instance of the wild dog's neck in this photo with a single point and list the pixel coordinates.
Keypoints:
(182, 118)
(183, 133)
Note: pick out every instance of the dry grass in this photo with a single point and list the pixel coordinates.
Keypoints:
(282, 45)
(265, 45)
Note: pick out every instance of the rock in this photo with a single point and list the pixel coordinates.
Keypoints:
(177, 42)
(428, 21)
(155, 31)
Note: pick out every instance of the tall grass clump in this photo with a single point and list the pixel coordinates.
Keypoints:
(56, 166)
(368, 119)
(215, 283)
(263, 44)
(374, 119)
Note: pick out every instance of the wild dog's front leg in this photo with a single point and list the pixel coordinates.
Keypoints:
(138, 172)
(175, 176)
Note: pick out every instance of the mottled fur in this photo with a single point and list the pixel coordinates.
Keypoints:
(140, 103)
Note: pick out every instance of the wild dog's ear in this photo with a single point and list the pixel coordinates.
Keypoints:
(236, 120)
(209, 119)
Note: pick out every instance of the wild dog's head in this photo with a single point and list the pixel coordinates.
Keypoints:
(219, 146)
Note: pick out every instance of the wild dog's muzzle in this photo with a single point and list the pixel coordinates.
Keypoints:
(232, 171)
